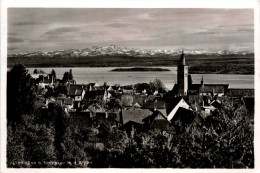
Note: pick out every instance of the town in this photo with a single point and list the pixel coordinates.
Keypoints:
(115, 118)
(131, 105)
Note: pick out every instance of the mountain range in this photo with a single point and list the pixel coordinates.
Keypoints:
(113, 50)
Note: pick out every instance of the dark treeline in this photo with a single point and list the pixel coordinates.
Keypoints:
(54, 138)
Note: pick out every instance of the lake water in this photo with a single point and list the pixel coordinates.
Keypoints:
(169, 78)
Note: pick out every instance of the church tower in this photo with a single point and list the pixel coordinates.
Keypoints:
(182, 76)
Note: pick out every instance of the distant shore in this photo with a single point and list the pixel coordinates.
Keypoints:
(138, 69)
(198, 64)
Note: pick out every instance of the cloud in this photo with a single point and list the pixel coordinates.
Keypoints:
(12, 48)
(206, 32)
(145, 16)
(12, 34)
(62, 30)
(14, 40)
(27, 23)
(117, 25)
(246, 30)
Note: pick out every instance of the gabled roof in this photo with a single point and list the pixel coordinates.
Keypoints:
(135, 115)
(139, 99)
(93, 94)
(184, 115)
(177, 103)
(96, 85)
(137, 105)
(78, 92)
(75, 89)
(156, 115)
(216, 103)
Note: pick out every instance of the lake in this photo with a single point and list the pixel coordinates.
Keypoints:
(169, 78)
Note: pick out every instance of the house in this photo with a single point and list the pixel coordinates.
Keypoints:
(212, 89)
(94, 109)
(157, 120)
(216, 103)
(68, 103)
(136, 105)
(156, 103)
(238, 93)
(134, 115)
(182, 116)
(207, 110)
(178, 103)
(139, 99)
(77, 92)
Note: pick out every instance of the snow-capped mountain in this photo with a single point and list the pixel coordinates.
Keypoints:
(113, 50)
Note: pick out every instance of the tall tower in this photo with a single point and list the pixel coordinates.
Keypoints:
(182, 76)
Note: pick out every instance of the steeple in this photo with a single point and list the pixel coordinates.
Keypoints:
(182, 76)
(202, 83)
(182, 58)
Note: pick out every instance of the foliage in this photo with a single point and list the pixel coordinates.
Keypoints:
(66, 77)
(53, 73)
(21, 93)
(51, 138)
(157, 85)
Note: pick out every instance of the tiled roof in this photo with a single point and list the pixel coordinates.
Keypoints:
(159, 104)
(212, 88)
(151, 118)
(78, 92)
(139, 99)
(135, 115)
(75, 89)
(184, 115)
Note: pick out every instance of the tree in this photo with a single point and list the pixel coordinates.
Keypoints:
(66, 77)
(35, 71)
(157, 85)
(53, 73)
(21, 93)
(222, 140)
(70, 75)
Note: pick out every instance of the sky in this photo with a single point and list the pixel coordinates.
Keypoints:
(49, 29)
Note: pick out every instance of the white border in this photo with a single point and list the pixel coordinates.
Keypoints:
(126, 4)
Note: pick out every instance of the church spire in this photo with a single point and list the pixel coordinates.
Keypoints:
(182, 58)
(202, 83)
